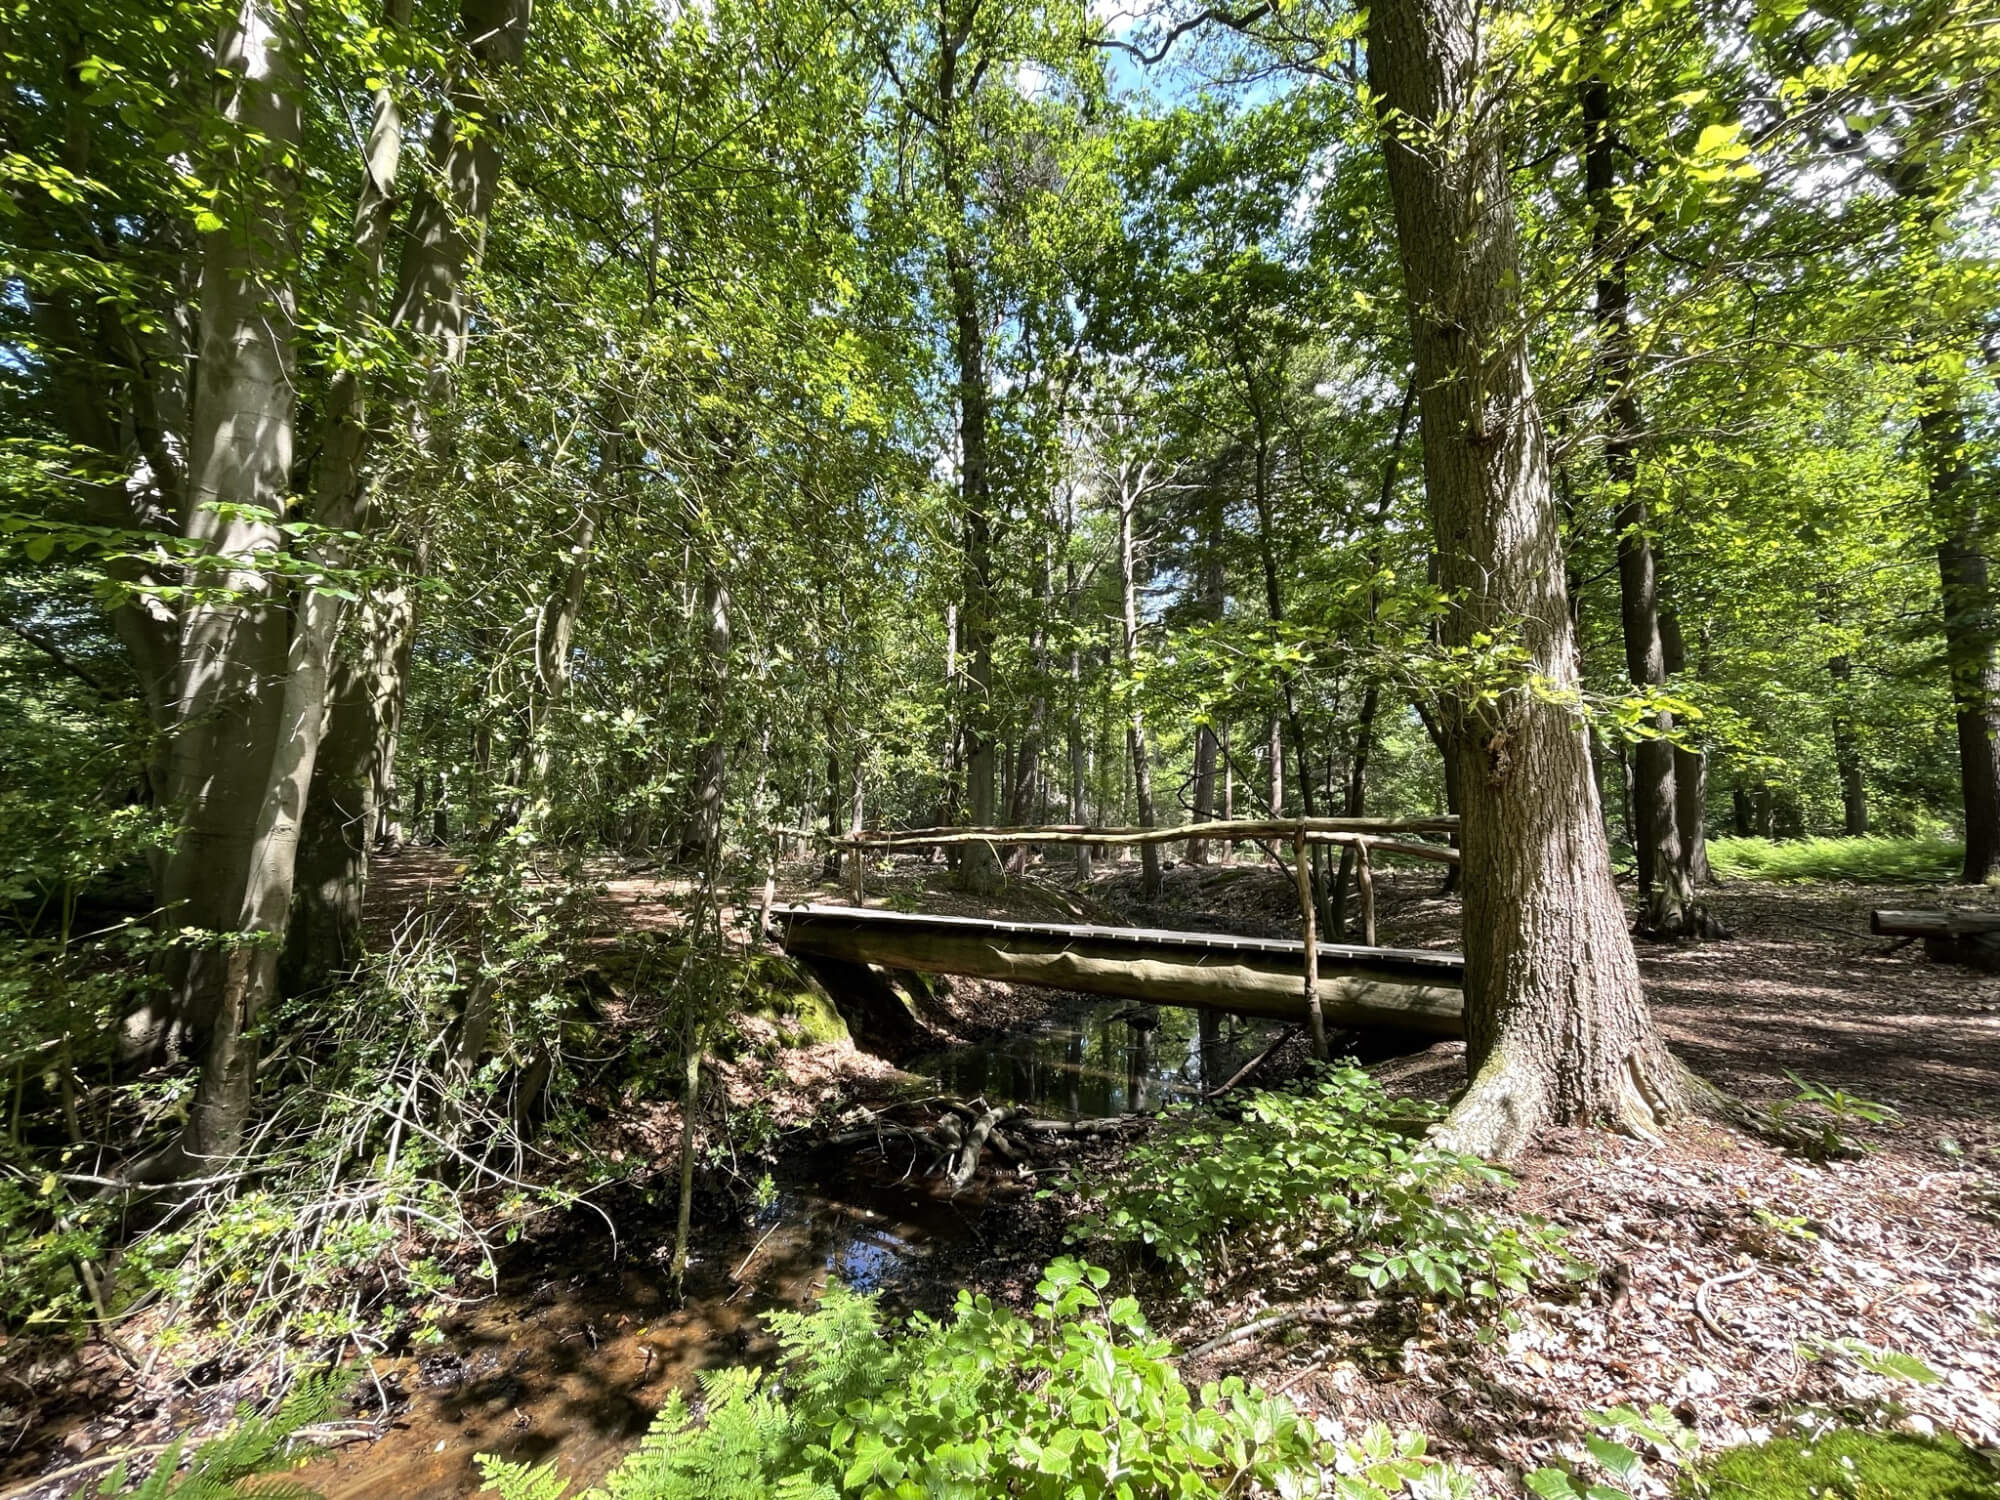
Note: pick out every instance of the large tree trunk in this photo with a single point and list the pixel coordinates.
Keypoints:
(250, 689)
(1971, 632)
(1557, 1029)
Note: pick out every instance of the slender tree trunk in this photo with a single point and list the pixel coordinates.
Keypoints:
(1557, 1029)
(1206, 746)
(1135, 725)
(442, 242)
(1078, 757)
(979, 865)
(1667, 904)
(1847, 749)
(1355, 805)
(704, 841)
(1690, 781)
(1275, 760)
(324, 938)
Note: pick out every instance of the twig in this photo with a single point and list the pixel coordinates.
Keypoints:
(1284, 1317)
(1701, 1301)
(1254, 1064)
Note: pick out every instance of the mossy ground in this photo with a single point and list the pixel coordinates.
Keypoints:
(1845, 1465)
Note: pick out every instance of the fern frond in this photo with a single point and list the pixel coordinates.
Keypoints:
(521, 1481)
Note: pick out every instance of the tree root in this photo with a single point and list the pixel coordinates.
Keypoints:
(963, 1133)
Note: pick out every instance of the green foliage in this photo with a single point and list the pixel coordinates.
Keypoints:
(219, 1466)
(1078, 1399)
(1891, 1364)
(1827, 1115)
(1609, 1448)
(1844, 1464)
(1867, 861)
(1337, 1169)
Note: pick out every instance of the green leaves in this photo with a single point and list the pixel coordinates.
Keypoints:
(1336, 1164)
(1072, 1403)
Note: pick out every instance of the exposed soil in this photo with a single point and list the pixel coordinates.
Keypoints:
(1718, 1255)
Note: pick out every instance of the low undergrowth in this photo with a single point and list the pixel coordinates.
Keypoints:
(1873, 861)
(409, 1120)
(1336, 1171)
(1075, 1399)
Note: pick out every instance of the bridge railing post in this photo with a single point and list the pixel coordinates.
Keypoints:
(1302, 877)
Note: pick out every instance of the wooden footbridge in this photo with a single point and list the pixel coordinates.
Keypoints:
(1321, 984)
(1409, 989)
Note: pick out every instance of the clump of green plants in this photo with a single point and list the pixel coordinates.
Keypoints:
(1844, 1464)
(1871, 860)
(1337, 1169)
(1821, 1118)
(1611, 1448)
(1075, 1399)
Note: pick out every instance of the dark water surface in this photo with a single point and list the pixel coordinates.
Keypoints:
(1102, 1057)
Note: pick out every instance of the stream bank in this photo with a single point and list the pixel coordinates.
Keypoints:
(570, 1357)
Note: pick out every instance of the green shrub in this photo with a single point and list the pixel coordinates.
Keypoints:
(1075, 1400)
(1845, 1464)
(1338, 1165)
(1913, 861)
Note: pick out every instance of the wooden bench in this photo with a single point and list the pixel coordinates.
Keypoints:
(1951, 937)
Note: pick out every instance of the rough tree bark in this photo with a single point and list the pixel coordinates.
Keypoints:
(1557, 1029)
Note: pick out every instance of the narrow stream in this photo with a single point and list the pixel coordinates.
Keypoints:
(570, 1364)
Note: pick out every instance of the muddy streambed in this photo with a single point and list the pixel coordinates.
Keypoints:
(570, 1358)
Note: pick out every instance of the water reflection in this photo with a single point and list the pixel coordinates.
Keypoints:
(1102, 1057)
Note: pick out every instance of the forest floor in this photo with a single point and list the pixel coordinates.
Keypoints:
(1722, 1262)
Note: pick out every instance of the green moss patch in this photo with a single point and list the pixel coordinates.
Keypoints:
(1845, 1465)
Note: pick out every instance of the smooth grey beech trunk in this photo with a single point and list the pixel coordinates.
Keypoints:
(1557, 1029)
(324, 936)
(250, 678)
